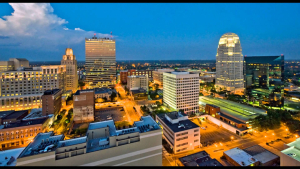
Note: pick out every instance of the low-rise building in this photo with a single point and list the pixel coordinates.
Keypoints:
(201, 158)
(7, 117)
(103, 145)
(21, 132)
(265, 157)
(238, 157)
(139, 94)
(51, 101)
(180, 133)
(136, 82)
(207, 76)
(291, 155)
(84, 106)
(134, 72)
(103, 92)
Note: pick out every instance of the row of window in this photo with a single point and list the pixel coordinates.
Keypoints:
(21, 132)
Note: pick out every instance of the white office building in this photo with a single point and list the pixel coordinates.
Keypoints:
(181, 91)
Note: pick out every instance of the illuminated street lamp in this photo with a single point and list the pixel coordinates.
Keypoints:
(231, 138)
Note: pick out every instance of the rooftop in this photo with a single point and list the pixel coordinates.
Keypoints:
(34, 114)
(3, 114)
(78, 92)
(261, 153)
(15, 114)
(11, 155)
(263, 59)
(294, 148)
(72, 142)
(178, 127)
(235, 110)
(180, 73)
(102, 90)
(41, 141)
(140, 90)
(201, 158)
(240, 156)
(25, 123)
(51, 92)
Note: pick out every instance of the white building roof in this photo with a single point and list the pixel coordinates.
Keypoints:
(240, 156)
(10, 153)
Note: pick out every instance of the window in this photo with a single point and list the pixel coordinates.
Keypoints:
(196, 140)
(196, 135)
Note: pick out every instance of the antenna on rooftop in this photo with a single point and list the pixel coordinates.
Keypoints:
(111, 34)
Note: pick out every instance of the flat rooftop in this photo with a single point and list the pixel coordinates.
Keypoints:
(11, 155)
(71, 142)
(25, 123)
(102, 90)
(240, 156)
(83, 91)
(294, 148)
(235, 110)
(201, 158)
(260, 153)
(51, 92)
(174, 127)
(15, 114)
(175, 115)
(3, 114)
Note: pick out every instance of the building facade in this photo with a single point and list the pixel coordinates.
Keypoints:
(136, 82)
(290, 156)
(100, 62)
(229, 64)
(179, 132)
(158, 76)
(103, 145)
(20, 130)
(181, 91)
(51, 101)
(13, 64)
(71, 70)
(264, 79)
(84, 106)
(134, 72)
(23, 88)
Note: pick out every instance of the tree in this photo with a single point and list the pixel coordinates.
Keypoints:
(201, 94)
(112, 96)
(155, 86)
(59, 117)
(81, 84)
(158, 103)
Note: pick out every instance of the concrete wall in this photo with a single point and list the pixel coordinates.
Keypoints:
(146, 152)
(221, 123)
(286, 160)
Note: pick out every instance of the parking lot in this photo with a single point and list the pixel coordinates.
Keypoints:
(116, 113)
(211, 133)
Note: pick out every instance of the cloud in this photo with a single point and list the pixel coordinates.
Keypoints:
(78, 29)
(35, 26)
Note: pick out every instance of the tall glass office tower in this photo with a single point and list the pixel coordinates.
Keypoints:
(264, 79)
(229, 64)
(100, 62)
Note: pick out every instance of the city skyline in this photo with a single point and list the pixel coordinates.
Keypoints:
(148, 31)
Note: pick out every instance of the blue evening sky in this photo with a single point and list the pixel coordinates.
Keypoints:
(175, 31)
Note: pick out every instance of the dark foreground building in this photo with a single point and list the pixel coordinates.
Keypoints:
(264, 79)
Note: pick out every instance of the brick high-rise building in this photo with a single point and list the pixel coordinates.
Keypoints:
(84, 105)
(51, 101)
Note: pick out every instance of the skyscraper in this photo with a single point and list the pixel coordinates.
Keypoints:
(181, 91)
(100, 62)
(71, 74)
(264, 79)
(229, 64)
